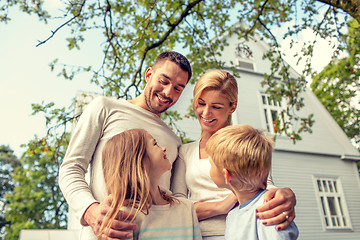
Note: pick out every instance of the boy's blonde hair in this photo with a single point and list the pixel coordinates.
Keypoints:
(126, 176)
(245, 152)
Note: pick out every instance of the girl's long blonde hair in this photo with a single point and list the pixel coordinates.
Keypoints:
(125, 175)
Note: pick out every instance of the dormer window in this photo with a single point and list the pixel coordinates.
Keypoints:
(244, 56)
(271, 110)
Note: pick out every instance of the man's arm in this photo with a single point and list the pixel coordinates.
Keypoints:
(178, 183)
(279, 208)
(79, 153)
(94, 217)
(81, 149)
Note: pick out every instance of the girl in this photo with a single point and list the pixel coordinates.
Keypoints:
(133, 164)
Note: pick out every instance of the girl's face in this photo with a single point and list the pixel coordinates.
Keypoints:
(157, 157)
(212, 110)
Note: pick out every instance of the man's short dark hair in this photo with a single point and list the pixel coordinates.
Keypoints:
(176, 58)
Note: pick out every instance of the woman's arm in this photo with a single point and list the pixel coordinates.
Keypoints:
(206, 210)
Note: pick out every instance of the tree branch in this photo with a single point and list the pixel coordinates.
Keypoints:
(352, 7)
(260, 12)
(62, 25)
(164, 37)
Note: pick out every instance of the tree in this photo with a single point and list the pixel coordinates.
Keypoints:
(338, 85)
(8, 163)
(36, 201)
(134, 32)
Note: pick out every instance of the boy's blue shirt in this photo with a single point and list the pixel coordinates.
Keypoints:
(242, 224)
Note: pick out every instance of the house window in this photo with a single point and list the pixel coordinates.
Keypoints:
(331, 199)
(247, 65)
(271, 110)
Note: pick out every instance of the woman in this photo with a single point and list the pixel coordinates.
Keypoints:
(215, 99)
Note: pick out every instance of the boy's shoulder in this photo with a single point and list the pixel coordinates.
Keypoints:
(241, 222)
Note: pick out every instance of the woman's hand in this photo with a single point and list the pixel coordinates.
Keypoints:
(206, 210)
(119, 229)
(279, 208)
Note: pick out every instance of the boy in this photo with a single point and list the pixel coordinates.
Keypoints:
(240, 158)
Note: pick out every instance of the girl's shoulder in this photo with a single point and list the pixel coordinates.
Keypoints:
(184, 200)
(183, 203)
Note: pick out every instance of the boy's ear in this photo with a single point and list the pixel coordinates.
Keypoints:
(227, 176)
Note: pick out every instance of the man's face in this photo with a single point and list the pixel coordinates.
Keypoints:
(165, 83)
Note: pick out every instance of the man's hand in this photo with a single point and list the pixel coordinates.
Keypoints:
(279, 208)
(95, 214)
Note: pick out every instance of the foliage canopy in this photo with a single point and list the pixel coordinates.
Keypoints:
(8, 163)
(135, 32)
(36, 201)
(338, 85)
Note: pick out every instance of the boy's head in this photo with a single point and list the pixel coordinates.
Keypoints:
(240, 157)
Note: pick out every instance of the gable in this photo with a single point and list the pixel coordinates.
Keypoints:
(327, 136)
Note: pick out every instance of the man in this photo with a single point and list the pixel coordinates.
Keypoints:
(105, 117)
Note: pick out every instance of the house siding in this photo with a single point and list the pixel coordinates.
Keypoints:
(296, 170)
(318, 154)
(327, 137)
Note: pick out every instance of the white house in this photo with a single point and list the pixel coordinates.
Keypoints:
(320, 169)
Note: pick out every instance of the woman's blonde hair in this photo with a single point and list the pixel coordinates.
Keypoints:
(245, 152)
(126, 176)
(220, 81)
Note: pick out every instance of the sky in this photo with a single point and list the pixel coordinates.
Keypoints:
(26, 78)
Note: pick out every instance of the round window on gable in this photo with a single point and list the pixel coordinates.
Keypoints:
(245, 56)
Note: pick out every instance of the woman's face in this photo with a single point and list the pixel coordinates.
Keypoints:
(212, 110)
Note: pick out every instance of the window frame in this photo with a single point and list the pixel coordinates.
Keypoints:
(342, 218)
(267, 111)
